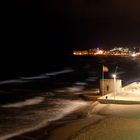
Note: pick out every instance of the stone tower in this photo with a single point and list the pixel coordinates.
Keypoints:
(110, 85)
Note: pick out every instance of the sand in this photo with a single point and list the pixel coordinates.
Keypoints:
(67, 131)
(111, 128)
(120, 122)
(101, 122)
(106, 122)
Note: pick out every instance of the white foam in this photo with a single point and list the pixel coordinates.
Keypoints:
(46, 75)
(42, 76)
(59, 72)
(81, 83)
(35, 77)
(12, 81)
(67, 107)
(74, 88)
(27, 102)
(91, 79)
(60, 90)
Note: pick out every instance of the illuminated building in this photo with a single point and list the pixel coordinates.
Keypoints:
(117, 51)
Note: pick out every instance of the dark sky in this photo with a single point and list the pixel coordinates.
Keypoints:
(64, 25)
(91, 23)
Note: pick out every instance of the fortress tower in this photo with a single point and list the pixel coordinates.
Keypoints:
(109, 85)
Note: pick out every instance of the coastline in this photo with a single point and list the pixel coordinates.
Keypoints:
(101, 121)
(47, 131)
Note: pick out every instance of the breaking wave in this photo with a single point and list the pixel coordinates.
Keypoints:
(59, 72)
(42, 76)
(35, 77)
(91, 79)
(47, 75)
(34, 119)
(27, 102)
(13, 81)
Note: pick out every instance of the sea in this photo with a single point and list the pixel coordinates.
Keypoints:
(36, 95)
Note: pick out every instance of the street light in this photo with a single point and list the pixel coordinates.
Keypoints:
(114, 77)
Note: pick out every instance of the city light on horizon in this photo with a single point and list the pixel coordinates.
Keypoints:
(112, 52)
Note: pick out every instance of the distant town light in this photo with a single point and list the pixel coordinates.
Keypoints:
(118, 51)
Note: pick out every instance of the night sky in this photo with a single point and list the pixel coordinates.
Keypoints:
(64, 25)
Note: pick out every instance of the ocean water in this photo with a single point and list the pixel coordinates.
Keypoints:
(34, 97)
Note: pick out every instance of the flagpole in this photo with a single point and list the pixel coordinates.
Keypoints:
(104, 69)
(115, 81)
(103, 79)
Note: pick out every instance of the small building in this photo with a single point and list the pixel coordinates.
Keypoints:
(110, 85)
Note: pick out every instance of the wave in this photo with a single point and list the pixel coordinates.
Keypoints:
(74, 89)
(81, 83)
(42, 76)
(13, 81)
(92, 79)
(70, 89)
(59, 72)
(47, 75)
(35, 77)
(43, 119)
(27, 102)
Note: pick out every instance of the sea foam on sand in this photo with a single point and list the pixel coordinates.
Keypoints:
(27, 102)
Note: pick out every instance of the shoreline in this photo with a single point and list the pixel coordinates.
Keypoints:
(94, 121)
(46, 131)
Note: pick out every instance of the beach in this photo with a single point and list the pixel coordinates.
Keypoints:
(75, 117)
(36, 106)
(95, 120)
(100, 121)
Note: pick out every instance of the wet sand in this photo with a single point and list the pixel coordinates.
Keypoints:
(67, 122)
